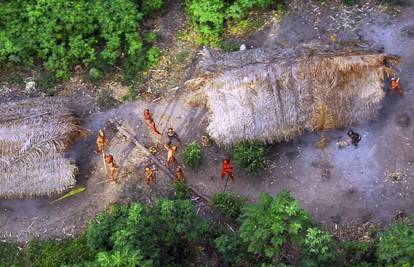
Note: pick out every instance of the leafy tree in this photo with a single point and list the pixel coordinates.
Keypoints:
(192, 155)
(250, 155)
(229, 204)
(396, 245)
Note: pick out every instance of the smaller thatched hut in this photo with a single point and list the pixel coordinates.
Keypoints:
(34, 134)
(275, 94)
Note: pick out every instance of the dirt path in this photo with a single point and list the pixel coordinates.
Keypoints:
(348, 182)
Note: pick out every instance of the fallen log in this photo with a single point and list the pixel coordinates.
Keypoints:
(167, 171)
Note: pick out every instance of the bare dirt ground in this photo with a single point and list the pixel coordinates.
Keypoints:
(349, 182)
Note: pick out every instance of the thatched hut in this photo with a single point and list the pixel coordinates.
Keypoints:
(275, 95)
(34, 134)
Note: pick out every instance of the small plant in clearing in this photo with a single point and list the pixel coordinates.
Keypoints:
(193, 155)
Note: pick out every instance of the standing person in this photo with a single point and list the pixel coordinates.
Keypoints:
(395, 86)
(150, 123)
(227, 169)
(112, 167)
(101, 142)
(171, 134)
(355, 137)
(179, 174)
(172, 151)
(150, 174)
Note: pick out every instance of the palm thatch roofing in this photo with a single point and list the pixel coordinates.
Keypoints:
(34, 134)
(274, 95)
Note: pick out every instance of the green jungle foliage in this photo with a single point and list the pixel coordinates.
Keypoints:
(57, 253)
(272, 232)
(229, 204)
(359, 253)
(208, 17)
(250, 156)
(60, 34)
(192, 155)
(164, 235)
(396, 245)
(11, 255)
(181, 190)
(275, 227)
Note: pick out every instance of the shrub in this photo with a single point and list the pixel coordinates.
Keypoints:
(250, 156)
(273, 225)
(181, 190)
(359, 253)
(192, 155)
(319, 248)
(11, 255)
(239, 8)
(151, 37)
(229, 204)
(153, 54)
(233, 249)
(149, 7)
(396, 245)
(55, 253)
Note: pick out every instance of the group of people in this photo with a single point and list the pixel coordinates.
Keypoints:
(101, 144)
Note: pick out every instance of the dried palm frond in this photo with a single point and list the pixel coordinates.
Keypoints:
(271, 94)
(323, 119)
(33, 135)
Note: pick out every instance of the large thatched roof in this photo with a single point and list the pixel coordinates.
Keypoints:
(34, 134)
(275, 95)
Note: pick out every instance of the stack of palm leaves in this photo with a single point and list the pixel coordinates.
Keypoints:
(34, 134)
(273, 95)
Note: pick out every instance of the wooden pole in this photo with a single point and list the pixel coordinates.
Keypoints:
(225, 186)
(154, 159)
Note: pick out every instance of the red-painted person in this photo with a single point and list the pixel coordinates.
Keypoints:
(227, 169)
